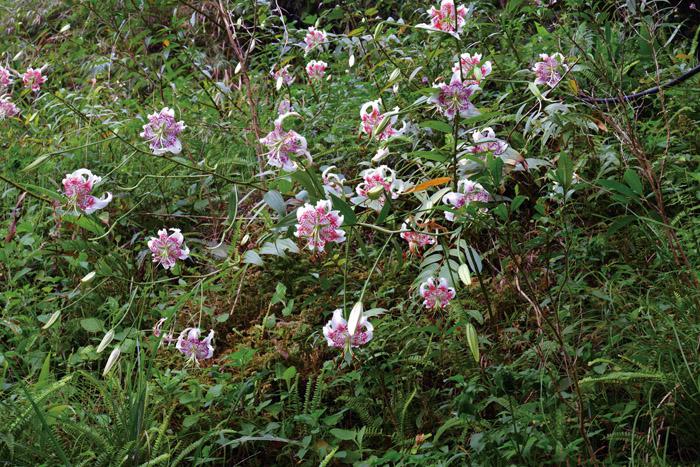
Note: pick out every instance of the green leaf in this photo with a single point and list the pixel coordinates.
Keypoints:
(384, 213)
(617, 186)
(85, 222)
(517, 201)
(45, 372)
(436, 125)
(92, 324)
(632, 180)
(345, 435)
(275, 200)
(436, 156)
(349, 217)
(620, 223)
(565, 171)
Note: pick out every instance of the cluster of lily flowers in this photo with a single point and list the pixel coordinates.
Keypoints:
(32, 79)
(319, 225)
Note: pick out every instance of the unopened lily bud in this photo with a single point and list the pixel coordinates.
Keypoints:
(113, 357)
(105, 340)
(52, 320)
(355, 316)
(88, 277)
(375, 192)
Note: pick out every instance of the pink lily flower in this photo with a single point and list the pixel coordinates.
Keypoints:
(319, 225)
(77, 187)
(167, 249)
(193, 347)
(436, 293)
(337, 334)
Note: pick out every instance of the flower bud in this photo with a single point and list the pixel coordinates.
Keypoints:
(113, 357)
(52, 319)
(355, 316)
(375, 192)
(105, 340)
(88, 277)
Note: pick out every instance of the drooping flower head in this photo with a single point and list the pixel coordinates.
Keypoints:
(436, 293)
(486, 141)
(377, 183)
(7, 108)
(337, 334)
(77, 187)
(167, 338)
(319, 225)
(193, 347)
(161, 132)
(467, 192)
(332, 182)
(33, 79)
(548, 71)
(380, 155)
(316, 69)
(446, 19)
(314, 37)
(372, 118)
(283, 144)
(471, 68)
(454, 98)
(416, 240)
(5, 77)
(283, 76)
(167, 249)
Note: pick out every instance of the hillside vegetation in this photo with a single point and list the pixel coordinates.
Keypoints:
(349, 233)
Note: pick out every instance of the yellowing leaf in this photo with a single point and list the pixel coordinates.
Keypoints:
(430, 183)
(574, 86)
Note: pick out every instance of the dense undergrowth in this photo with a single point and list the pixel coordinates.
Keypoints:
(566, 324)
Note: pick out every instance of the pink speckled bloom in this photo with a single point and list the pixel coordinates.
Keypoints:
(7, 108)
(416, 240)
(486, 141)
(33, 79)
(371, 118)
(337, 335)
(443, 19)
(316, 70)
(467, 192)
(5, 77)
(314, 38)
(167, 249)
(454, 98)
(77, 187)
(283, 144)
(193, 347)
(548, 70)
(319, 225)
(375, 186)
(436, 293)
(471, 68)
(161, 132)
(283, 76)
